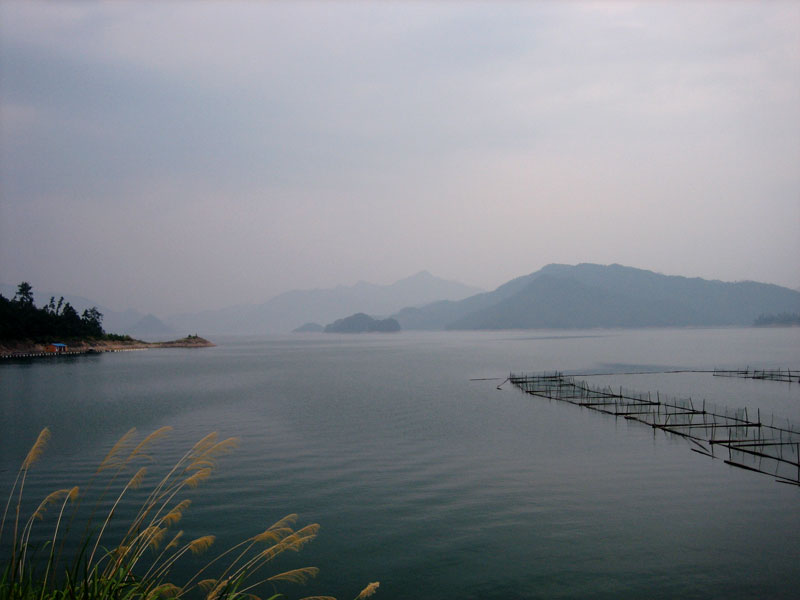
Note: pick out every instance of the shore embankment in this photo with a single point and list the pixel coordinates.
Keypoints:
(30, 349)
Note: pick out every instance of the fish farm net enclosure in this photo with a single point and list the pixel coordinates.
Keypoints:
(749, 441)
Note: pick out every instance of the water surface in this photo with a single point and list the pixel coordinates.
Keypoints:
(436, 485)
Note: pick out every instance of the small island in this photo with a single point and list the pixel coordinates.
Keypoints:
(362, 323)
(785, 319)
(57, 329)
(309, 328)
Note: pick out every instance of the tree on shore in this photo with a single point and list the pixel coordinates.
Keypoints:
(20, 319)
(24, 295)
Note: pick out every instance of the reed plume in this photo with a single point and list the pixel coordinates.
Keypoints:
(207, 585)
(165, 590)
(108, 462)
(37, 450)
(296, 575)
(369, 590)
(156, 435)
(201, 544)
(176, 513)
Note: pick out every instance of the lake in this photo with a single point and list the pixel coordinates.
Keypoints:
(434, 483)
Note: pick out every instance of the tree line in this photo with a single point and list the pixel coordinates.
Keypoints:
(21, 319)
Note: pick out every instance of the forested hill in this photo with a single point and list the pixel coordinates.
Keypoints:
(590, 295)
(21, 319)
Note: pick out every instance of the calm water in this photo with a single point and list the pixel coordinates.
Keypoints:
(435, 485)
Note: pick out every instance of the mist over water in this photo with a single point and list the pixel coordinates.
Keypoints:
(436, 485)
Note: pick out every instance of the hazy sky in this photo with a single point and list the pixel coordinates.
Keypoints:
(180, 156)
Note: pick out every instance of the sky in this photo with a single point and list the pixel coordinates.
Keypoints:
(173, 157)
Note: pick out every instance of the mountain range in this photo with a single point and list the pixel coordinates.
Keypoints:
(287, 311)
(557, 296)
(591, 295)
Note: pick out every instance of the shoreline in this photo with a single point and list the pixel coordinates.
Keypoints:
(28, 349)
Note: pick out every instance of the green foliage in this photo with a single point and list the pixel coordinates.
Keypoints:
(24, 294)
(116, 337)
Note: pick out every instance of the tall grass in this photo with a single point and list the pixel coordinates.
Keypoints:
(137, 561)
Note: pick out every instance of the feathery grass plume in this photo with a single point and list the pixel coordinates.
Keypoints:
(201, 544)
(218, 590)
(157, 538)
(165, 590)
(204, 444)
(272, 536)
(194, 480)
(174, 542)
(176, 513)
(51, 498)
(115, 450)
(286, 521)
(208, 458)
(38, 448)
(277, 531)
(220, 448)
(207, 584)
(369, 590)
(301, 537)
(299, 576)
(296, 575)
(156, 435)
(136, 481)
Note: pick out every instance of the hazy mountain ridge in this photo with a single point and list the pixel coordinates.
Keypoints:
(287, 311)
(556, 296)
(590, 295)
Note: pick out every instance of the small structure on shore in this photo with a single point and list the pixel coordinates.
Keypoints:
(56, 348)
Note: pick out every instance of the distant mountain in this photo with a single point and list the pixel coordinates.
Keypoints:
(589, 295)
(149, 325)
(285, 312)
(121, 322)
(361, 323)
